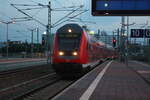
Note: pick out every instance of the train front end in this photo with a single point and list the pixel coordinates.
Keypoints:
(68, 45)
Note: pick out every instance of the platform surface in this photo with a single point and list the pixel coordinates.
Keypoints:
(111, 80)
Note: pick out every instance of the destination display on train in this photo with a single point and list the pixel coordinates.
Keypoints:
(70, 35)
(121, 7)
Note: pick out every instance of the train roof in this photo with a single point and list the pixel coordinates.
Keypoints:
(74, 27)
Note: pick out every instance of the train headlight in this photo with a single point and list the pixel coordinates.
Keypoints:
(69, 30)
(61, 53)
(75, 53)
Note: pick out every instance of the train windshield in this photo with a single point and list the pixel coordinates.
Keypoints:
(69, 41)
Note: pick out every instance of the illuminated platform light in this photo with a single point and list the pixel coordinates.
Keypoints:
(44, 32)
(124, 34)
(106, 13)
(92, 32)
(69, 30)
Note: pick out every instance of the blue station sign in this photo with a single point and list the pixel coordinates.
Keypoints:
(120, 7)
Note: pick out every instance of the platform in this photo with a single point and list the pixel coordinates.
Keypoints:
(111, 80)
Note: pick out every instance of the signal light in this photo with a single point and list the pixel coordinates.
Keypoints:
(114, 42)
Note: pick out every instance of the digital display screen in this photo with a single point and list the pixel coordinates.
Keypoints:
(70, 35)
(121, 7)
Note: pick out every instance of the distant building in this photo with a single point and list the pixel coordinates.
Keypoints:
(4, 44)
(15, 42)
(12, 42)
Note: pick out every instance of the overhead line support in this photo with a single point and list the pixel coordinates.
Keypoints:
(28, 15)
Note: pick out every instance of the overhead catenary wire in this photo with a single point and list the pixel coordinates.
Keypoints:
(68, 19)
(55, 24)
(28, 15)
(35, 8)
(33, 1)
(20, 19)
(38, 4)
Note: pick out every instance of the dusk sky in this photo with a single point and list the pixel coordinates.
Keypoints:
(20, 30)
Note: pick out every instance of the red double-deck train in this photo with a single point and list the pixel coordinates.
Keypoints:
(75, 49)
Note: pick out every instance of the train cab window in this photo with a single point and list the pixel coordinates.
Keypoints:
(69, 41)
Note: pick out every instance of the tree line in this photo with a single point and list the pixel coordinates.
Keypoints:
(23, 47)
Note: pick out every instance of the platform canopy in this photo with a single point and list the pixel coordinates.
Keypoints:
(120, 7)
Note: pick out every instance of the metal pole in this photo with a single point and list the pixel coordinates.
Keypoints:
(113, 33)
(113, 39)
(122, 39)
(98, 34)
(7, 40)
(49, 53)
(32, 43)
(118, 39)
(118, 43)
(26, 48)
(127, 52)
(144, 41)
(37, 40)
(50, 34)
(37, 35)
(127, 27)
(47, 45)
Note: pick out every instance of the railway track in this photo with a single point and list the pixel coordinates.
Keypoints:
(50, 91)
(41, 88)
(11, 78)
(47, 92)
(18, 70)
(18, 90)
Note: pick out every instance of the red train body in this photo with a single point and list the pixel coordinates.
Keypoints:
(75, 49)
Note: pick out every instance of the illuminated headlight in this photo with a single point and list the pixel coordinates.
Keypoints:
(69, 30)
(61, 53)
(75, 53)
